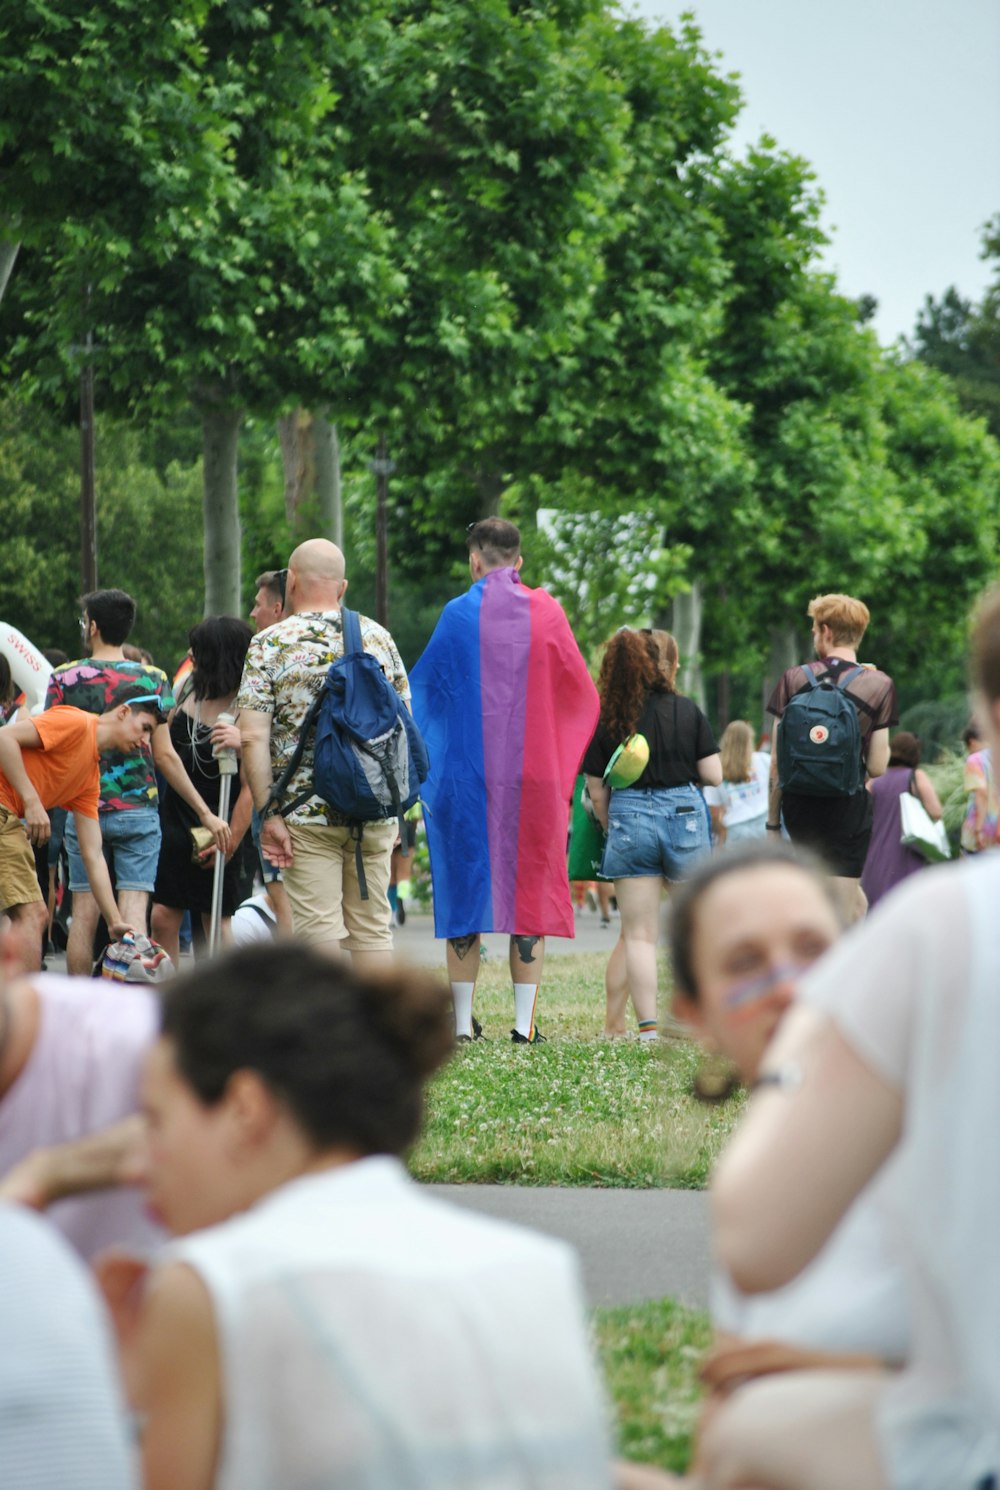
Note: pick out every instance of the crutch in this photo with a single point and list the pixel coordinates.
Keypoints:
(227, 770)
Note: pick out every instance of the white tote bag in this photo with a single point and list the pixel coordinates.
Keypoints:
(920, 832)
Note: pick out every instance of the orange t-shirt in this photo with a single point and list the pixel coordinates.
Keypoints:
(66, 771)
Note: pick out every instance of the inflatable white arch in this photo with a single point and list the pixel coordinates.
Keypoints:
(28, 667)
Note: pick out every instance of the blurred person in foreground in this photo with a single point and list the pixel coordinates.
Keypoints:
(321, 1319)
(891, 1048)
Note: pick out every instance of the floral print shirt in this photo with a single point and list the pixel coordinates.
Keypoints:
(283, 673)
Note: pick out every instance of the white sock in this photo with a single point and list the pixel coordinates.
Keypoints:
(525, 995)
(461, 994)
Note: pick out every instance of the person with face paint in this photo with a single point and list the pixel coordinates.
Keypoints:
(743, 931)
(889, 1056)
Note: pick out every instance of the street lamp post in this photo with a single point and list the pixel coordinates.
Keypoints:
(88, 484)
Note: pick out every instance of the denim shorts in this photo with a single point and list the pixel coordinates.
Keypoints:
(131, 841)
(663, 831)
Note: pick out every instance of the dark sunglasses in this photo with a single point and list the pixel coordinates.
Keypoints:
(281, 579)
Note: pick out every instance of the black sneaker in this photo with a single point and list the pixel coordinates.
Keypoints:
(400, 914)
(477, 1034)
(537, 1038)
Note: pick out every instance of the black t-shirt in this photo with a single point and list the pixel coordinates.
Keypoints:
(873, 693)
(679, 737)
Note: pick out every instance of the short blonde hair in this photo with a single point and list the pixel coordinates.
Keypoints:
(846, 617)
(736, 751)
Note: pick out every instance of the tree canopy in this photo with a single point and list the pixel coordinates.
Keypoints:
(513, 241)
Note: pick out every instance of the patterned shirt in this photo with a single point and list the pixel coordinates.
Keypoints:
(127, 781)
(283, 673)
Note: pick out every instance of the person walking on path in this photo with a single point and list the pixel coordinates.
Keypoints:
(739, 805)
(819, 762)
(129, 810)
(506, 706)
(889, 862)
(314, 845)
(657, 824)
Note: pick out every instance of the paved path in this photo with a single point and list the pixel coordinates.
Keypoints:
(633, 1244)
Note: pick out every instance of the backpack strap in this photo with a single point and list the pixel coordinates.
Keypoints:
(847, 677)
(351, 628)
(813, 680)
(280, 787)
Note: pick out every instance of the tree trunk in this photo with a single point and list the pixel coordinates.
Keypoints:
(490, 486)
(8, 253)
(783, 654)
(328, 494)
(221, 432)
(297, 459)
(686, 626)
(310, 456)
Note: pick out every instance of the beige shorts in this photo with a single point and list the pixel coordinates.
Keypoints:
(323, 889)
(18, 880)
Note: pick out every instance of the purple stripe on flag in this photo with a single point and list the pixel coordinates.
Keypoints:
(504, 648)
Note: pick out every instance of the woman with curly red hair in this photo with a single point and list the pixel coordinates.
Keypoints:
(657, 823)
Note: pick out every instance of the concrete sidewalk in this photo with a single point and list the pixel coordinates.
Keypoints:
(633, 1244)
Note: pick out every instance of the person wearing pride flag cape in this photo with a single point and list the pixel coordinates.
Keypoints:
(506, 707)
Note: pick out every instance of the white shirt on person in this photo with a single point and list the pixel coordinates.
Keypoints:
(742, 801)
(62, 1419)
(850, 1299)
(915, 993)
(375, 1338)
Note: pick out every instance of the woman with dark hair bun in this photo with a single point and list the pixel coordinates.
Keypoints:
(323, 1321)
(183, 882)
(888, 863)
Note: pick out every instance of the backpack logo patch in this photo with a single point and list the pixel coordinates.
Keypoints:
(819, 734)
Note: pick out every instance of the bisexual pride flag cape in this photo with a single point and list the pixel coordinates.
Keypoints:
(506, 707)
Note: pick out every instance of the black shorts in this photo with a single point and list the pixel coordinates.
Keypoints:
(838, 829)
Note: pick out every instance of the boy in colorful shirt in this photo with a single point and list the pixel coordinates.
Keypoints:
(129, 809)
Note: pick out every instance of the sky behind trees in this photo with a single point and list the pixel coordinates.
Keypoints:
(896, 104)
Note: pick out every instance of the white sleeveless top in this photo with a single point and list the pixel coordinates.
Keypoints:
(374, 1338)
(62, 1419)
(916, 992)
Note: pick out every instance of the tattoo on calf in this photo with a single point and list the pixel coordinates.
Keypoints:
(526, 947)
(463, 945)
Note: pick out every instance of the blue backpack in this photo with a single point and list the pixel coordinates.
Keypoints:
(819, 739)
(370, 757)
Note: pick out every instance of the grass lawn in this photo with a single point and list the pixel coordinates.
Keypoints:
(650, 1355)
(578, 1110)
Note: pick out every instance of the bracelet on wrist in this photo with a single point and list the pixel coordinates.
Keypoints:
(773, 827)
